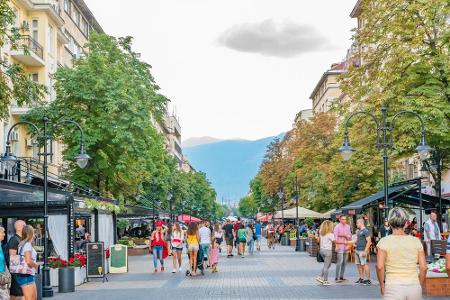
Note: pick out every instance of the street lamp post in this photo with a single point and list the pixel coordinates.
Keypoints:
(10, 160)
(170, 197)
(280, 195)
(385, 141)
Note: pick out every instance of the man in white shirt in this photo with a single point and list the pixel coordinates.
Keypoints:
(205, 240)
(431, 231)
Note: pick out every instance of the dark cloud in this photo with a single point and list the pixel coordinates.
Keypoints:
(281, 39)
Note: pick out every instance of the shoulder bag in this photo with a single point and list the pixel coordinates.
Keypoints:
(18, 265)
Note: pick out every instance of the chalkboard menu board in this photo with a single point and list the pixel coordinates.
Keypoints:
(95, 264)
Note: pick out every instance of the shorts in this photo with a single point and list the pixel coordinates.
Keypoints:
(15, 289)
(359, 259)
(23, 280)
(242, 241)
(193, 247)
(258, 238)
(178, 249)
(229, 241)
(205, 249)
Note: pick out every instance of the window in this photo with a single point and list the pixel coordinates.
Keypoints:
(16, 18)
(34, 30)
(34, 77)
(76, 16)
(51, 40)
(84, 27)
(67, 6)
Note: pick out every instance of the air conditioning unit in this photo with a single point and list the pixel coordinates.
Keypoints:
(14, 137)
(29, 143)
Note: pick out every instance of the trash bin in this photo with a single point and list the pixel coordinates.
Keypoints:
(66, 280)
(301, 245)
(284, 241)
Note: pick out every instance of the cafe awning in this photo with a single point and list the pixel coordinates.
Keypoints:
(302, 213)
(405, 192)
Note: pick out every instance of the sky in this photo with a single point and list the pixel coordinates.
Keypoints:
(233, 68)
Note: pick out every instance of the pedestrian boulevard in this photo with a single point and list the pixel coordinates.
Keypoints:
(270, 274)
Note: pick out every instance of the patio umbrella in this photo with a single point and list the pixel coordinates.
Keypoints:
(188, 218)
(232, 219)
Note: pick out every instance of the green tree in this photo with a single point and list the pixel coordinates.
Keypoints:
(112, 94)
(405, 65)
(247, 206)
(15, 84)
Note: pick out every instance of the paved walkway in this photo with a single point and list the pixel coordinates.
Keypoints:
(271, 274)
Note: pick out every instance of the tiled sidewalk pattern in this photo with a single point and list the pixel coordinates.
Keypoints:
(270, 274)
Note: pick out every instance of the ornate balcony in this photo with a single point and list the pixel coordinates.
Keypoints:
(29, 52)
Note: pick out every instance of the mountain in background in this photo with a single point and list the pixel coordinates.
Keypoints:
(228, 164)
(197, 141)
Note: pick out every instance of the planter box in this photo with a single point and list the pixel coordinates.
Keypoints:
(54, 277)
(80, 276)
(293, 243)
(138, 251)
(437, 285)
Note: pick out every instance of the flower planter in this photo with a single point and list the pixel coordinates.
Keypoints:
(80, 276)
(66, 280)
(54, 277)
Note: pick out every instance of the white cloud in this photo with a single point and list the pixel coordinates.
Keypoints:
(271, 38)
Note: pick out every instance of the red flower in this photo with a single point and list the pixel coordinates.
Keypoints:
(107, 253)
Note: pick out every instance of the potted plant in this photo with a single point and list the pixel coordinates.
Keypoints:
(70, 272)
(54, 263)
(78, 262)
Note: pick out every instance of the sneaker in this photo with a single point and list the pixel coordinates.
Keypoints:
(155, 270)
(319, 279)
(180, 269)
(174, 271)
(242, 256)
(360, 281)
(342, 279)
(326, 282)
(367, 282)
(338, 280)
(162, 269)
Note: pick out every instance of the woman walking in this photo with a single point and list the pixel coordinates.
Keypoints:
(193, 242)
(242, 238)
(158, 243)
(168, 238)
(177, 246)
(27, 282)
(326, 250)
(5, 277)
(218, 235)
(251, 237)
(397, 258)
(214, 257)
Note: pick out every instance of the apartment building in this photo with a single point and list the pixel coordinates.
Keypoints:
(327, 90)
(169, 127)
(54, 33)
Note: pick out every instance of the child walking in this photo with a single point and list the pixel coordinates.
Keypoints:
(214, 257)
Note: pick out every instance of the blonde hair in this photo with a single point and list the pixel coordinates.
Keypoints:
(326, 227)
(27, 234)
(397, 218)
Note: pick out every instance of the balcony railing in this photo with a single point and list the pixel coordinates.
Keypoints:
(28, 43)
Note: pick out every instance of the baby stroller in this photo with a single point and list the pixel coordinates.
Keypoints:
(199, 262)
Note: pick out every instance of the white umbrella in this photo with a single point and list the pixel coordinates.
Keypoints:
(302, 213)
(232, 219)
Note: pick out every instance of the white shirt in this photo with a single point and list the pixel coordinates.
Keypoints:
(431, 235)
(205, 235)
(28, 247)
(326, 241)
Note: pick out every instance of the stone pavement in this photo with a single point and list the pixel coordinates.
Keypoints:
(270, 274)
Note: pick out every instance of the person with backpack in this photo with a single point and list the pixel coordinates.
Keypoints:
(258, 233)
(11, 249)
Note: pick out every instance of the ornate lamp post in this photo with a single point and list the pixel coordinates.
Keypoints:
(280, 195)
(385, 141)
(11, 160)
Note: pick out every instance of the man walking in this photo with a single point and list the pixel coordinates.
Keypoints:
(258, 233)
(12, 248)
(431, 232)
(205, 241)
(229, 237)
(363, 243)
(236, 227)
(342, 235)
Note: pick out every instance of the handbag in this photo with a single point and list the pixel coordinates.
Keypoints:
(18, 265)
(5, 278)
(319, 257)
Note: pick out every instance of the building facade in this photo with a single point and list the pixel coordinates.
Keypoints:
(54, 32)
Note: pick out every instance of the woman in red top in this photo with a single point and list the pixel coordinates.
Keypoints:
(158, 243)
